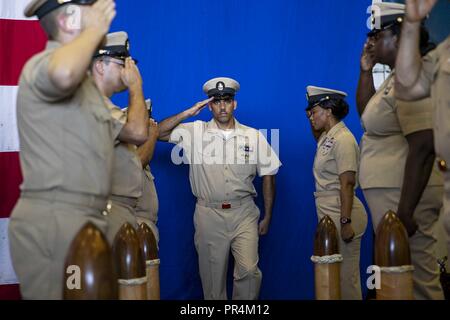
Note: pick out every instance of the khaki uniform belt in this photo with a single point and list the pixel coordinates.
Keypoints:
(321, 194)
(442, 164)
(228, 204)
(78, 199)
(132, 202)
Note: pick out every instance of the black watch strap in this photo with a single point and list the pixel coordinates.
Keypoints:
(345, 220)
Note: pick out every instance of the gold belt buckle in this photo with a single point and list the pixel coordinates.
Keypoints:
(107, 210)
(442, 164)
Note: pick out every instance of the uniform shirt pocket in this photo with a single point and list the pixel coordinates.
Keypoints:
(243, 165)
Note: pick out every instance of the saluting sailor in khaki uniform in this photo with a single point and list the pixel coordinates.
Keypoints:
(224, 157)
(66, 135)
(417, 79)
(397, 155)
(335, 173)
(114, 71)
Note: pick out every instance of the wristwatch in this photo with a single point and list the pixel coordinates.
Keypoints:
(345, 220)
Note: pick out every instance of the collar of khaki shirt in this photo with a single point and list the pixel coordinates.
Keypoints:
(111, 106)
(52, 45)
(213, 129)
(332, 132)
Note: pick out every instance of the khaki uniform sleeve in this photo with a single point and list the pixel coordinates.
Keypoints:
(268, 161)
(429, 69)
(183, 134)
(119, 118)
(346, 154)
(39, 80)
(414, 116)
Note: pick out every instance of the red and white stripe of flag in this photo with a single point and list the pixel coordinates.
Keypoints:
(20, 38)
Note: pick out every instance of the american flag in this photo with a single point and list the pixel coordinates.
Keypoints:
(20, 38)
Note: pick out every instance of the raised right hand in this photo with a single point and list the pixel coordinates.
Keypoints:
(417, 10)
(153, 129)
(131, 76)
(199, 106)
(100, 16)
(368, 56)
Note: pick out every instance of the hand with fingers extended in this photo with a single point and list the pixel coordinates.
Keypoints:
(417, 10)
(199, 106)
(131, 76)
(153, 129)
(368, 56)
(100, 16)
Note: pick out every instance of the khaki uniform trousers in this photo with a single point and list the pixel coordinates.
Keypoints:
(216, 232)
(446, 217)
(149, 215)
(350, 269)
(40, 234)
(422, 244)
(122, 211)
(441, 235)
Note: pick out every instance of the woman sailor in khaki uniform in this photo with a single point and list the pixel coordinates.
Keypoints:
(397, 155)
(335, 173)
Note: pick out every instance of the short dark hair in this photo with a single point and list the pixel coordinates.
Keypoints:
(339, 107)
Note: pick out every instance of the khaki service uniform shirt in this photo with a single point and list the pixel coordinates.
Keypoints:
(222, 169)
(337, 152)
(435, 78)
(148, 203)
(384, 148)
(415, 116)
(67, 138)
(127, 167)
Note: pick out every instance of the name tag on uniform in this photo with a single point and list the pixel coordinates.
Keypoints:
(246, 148)
(245, 151)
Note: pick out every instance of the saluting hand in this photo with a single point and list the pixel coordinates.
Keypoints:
(199, 106)
(368, 55)
(153, 129)
(100, 16)
(347, 233)
(131, 76)
(417, 10)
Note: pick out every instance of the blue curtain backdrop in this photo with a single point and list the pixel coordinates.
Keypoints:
(274, 49)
